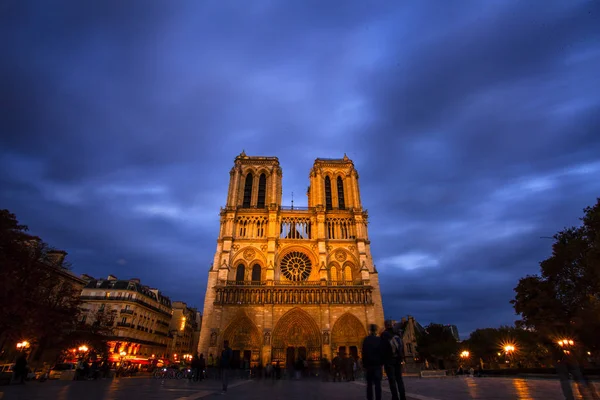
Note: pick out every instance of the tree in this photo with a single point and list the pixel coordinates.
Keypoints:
(437, 343)
(94, 335)
(488, 345)
(37, 302)
(564, 299)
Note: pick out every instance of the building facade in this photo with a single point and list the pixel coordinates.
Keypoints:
(183, 325)
(140, 317)
(291, 282)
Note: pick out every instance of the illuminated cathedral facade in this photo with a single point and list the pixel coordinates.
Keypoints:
(291, 282)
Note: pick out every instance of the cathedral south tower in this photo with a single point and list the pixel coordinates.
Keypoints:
(290, 283)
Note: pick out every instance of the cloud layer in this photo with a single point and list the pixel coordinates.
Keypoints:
(475, 127)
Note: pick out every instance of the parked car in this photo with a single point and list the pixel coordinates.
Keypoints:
(63, 371)
(6, 374)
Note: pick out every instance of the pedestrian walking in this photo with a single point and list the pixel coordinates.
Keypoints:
(226, 357)
(372, 351)
(393, 358)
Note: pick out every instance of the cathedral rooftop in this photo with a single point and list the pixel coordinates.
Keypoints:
(244, 156)
(343, 160)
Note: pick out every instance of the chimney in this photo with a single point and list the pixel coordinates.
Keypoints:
(56, 257)
(136, 280)
(112, 278)
(87, 278)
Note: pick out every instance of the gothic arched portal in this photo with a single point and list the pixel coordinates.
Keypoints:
(296, 335)
(347, 335)
(244, 338)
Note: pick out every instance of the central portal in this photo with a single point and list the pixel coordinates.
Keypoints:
(296, 336)
(293, 354)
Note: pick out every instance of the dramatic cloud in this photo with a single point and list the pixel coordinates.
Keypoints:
(475, 127)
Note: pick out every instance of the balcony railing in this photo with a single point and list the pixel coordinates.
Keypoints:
(294, 283)
(360, 294)
(126, 311)
(125, 299)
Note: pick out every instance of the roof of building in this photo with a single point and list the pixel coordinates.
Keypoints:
(129, 285)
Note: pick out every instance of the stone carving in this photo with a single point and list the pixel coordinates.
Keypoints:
(329, 248)
(296, 328)
(249, 254)
(267, 340)
(351, 248)
(242, 334)
(213, 338)
(340, 255)
(235, 247)
(325, 337)
(314, 246)
(263, 247)
(347, 331)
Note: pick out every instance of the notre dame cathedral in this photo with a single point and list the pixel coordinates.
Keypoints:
(291, 282)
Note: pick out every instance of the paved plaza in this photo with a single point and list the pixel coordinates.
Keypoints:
(144, 388)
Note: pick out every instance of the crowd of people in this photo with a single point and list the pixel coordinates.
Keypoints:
(384, 352)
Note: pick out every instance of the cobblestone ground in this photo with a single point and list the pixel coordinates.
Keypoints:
(151, 389)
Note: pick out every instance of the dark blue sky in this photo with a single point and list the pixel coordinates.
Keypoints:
(474, 125)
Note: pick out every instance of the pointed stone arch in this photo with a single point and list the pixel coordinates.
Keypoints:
(296, 329)
(347, 331)
(242, 334)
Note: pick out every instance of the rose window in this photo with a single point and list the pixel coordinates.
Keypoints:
(296, 266)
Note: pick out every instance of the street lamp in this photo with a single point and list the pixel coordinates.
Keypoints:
(83, 348)
(509, 350)
(22, 345)
(566, 345)
(464, 354)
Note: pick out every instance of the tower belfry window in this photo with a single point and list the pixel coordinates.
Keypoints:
(247, 191)
(340, 188)
(256, 273)
(240, 272)
(262, 190)
(328, 203)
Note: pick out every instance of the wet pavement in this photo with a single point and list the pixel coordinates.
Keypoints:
(145, 388)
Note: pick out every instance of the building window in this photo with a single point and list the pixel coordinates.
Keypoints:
(256, 273)
(333, 273)
(328, 204)
(102, 307)
(247, 191)
(340, 188)
(262, 191)
(239, 273)
(347, 274)
(124, 320)
(83, 319)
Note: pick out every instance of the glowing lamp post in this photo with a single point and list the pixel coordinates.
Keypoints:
(509, 350)
(566, 345)
(22, 346)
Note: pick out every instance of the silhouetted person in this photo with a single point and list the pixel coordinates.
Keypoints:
(337, 367)
(392, 359)
(20, 369)
(226, 356)
(372, 351)
(201, 367)
(325, 368)
(567, 363)
(195, 368)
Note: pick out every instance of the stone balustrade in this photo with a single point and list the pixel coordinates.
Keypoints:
(293, 294)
